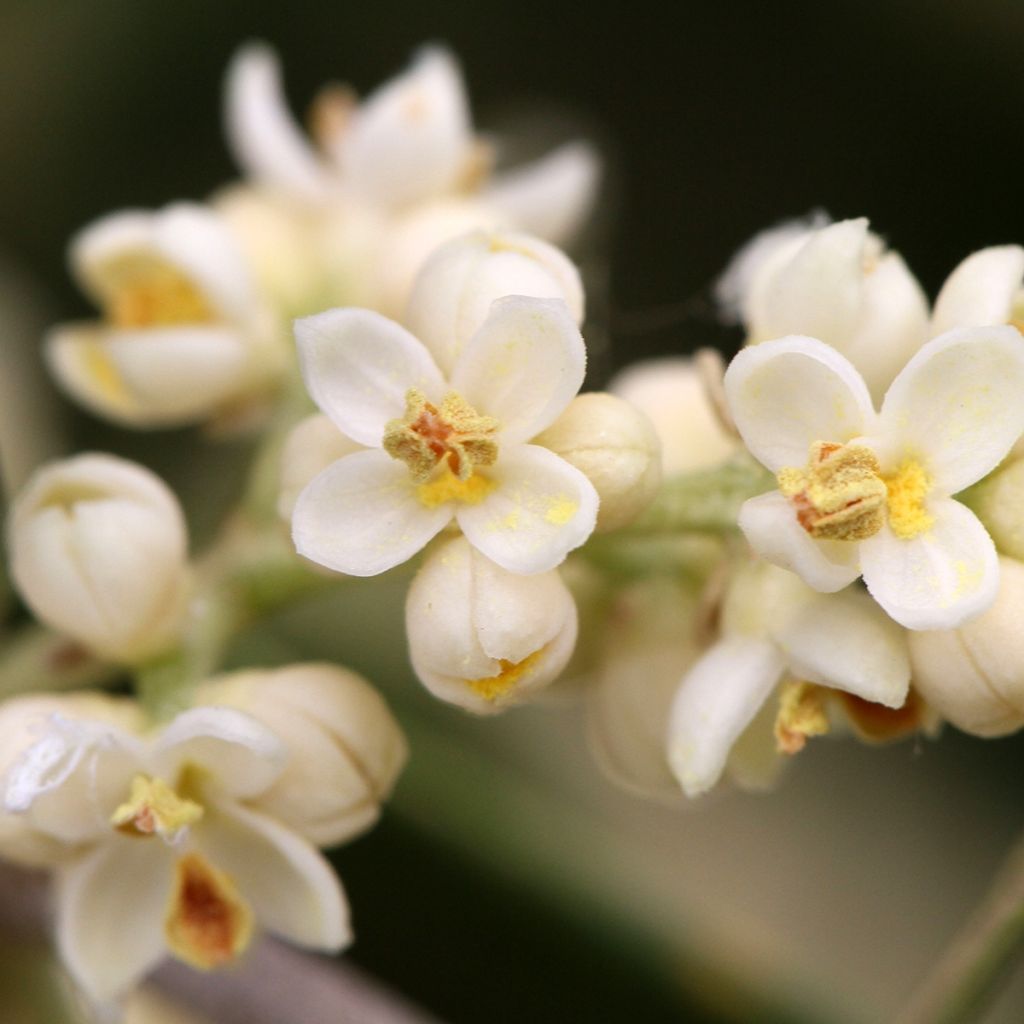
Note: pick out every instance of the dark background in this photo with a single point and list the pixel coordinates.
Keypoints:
(718, 120)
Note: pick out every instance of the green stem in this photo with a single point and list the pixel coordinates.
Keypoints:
(968, 976)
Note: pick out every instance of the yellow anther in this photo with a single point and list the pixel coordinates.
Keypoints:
(455, 433)
(493, 687)
(801, 714)
(840, 494)
(208, 924)
(148, 293)
(907, 489)
(153, 808)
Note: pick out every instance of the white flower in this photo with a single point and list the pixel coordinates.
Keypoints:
(457, 285)
(673, 396)
(442, 449)
(774, 626)
(183, 337)
(974, 675)
(98, 550)
(405, 155)
(345, 749)
(835, 282)
(171, 856)
(614, 444)
(484, 638)
(984, 289)
(869, 494)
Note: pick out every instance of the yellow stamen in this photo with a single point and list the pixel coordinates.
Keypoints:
(208, 924)
(100, 369)
(840, 494)
(454, 433)
(801, 714)
(907, 489)
(493, 687)
(153, 808)
(146, 292)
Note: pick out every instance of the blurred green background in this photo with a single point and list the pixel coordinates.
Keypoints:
(509, 882)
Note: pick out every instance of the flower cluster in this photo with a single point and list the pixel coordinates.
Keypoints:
(720, 563)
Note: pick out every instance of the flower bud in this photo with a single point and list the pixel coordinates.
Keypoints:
(311, 447)
(482, 637)
(345, 749)
(998, 501)
(183, 336)
(98, 551)
(454, 290)
(22, 722)
(835, 282)
(672, 395)
(974, 675)
(615, 447)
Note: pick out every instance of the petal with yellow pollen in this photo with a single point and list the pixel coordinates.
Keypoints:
(208, 924)
(540, 509)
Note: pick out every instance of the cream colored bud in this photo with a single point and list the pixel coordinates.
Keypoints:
(482, 637)
(345, 748)
(974, 675)
(98, 551)
(23, 720)
(998, 502)
(454, 291)
(615, 447)
(671, 394)
(310, 448)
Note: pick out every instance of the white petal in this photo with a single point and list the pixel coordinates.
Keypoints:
(110, 914)
(550, 197)
(957, 406)
(312, 445)
(716, 701)
(154, 377)
(237, 754)
(818, 292)
(892, 325)
(524, 365)
(265, 140)
(784, 395)
(936, 580)
(541, 509)
(846, 641)
(291, 888)
(362, 516)
(454, 290)
(408, 140)
(770, 525)
(980, 291)
(358, 367)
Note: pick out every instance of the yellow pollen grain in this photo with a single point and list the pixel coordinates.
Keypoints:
(907, 489)
(446, 486)
(153, 808)
(801, 715)
(561, 510)
(493, 687)
(208, 924)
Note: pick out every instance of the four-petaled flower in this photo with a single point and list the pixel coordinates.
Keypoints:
(866, 493)
(443, 449)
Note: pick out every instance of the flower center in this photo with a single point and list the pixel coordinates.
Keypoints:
(208, 924)
(842, 494)
(801, 715)
(153, 808)
(148, 293)
(455, 434)
(493, 687)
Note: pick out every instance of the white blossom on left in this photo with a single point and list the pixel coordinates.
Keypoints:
(166, 852)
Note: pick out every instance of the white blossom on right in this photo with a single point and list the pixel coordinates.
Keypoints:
(866, 493)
